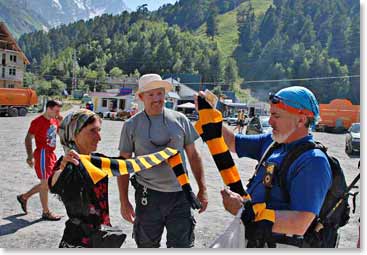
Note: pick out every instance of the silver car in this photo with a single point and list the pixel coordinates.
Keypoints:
(258, 126)
(266, 128)
(231, 120)
(352, 139)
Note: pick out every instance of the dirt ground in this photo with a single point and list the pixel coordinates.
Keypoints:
(29, 231)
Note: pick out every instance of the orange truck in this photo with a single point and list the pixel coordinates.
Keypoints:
(14, 102)
(338, 115)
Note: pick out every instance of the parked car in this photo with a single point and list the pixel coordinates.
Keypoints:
(352, 139)
(232, 120)
(266, 128)
(258, 126)
(193, 116)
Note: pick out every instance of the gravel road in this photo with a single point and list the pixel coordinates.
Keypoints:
(29, 231)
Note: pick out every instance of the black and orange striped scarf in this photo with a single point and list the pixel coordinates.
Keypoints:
(118, 167)
(209, 127)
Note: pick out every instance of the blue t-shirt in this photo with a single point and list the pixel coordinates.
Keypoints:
(308, 179)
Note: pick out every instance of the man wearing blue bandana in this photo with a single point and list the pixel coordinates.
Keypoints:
(272, 211)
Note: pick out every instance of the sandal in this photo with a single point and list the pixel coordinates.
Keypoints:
(23, 203)
(50, 216)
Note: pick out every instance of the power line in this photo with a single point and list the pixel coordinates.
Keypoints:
(220, 82)
(304, 79)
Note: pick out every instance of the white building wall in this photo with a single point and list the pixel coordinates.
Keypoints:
(10, 64)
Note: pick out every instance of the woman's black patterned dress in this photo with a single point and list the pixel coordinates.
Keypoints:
(86, 205)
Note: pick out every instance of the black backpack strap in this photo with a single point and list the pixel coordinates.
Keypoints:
(269, 150)
(290, 158)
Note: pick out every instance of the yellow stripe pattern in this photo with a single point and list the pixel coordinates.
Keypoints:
(124, 167)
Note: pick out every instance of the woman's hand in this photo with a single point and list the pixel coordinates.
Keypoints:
(71, 157)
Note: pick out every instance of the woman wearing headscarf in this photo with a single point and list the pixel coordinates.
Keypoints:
(82, 181)
(86, 202)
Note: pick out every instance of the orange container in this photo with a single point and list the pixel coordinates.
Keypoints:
(18, 97)
(339, 113)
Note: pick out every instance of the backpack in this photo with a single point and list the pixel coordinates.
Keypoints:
(327, 235)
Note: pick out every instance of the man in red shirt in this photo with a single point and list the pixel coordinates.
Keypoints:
(43, 129)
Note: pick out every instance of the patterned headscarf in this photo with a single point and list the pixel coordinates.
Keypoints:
(71, 126)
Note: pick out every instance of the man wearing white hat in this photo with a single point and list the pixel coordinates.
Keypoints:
(159, 198)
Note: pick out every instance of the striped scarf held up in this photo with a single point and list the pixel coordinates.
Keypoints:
(209, 127)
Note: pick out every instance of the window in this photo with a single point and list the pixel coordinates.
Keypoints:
(122, 104)
(13, 58)
(11, 86)
(3, 73)
(12, 71)
(104, 102)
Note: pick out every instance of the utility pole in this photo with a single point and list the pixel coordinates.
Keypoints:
(201, 83)
(75, 63)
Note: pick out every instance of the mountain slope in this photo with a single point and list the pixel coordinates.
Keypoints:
(24, 16)
(191, 14)
(227, 36)
(18, 19)
(66, 11)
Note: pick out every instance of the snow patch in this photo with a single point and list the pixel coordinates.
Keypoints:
(57, 4)
(80, 4)
(44, 28)
(96, 12)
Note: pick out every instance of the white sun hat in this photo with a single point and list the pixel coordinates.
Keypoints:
(153, 81)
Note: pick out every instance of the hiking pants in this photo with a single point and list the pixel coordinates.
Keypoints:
(159, 210)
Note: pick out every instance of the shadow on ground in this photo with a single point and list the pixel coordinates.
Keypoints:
(15, 224)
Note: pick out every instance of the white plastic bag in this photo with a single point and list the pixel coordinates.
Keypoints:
(233, 236)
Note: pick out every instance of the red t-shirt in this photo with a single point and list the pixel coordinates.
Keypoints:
(44, 132)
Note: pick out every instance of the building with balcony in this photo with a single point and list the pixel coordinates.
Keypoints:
(12, 60)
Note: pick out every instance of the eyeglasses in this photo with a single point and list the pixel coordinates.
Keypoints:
(274, 99)
(149, 135)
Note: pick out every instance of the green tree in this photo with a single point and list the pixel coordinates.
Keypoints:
(43, 87)
(29, 80)
(217, 90)
(116, 72)
(231, 73)
(307, 33)
(355, 82)
(91, 79)
(217, 66)
(212, 25)
(246, 21)
(164, 56)
(56, 87)
(269, 26)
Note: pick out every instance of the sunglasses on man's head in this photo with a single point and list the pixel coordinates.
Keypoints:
(274, 99)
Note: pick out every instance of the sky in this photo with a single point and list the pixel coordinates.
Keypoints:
(152, 4)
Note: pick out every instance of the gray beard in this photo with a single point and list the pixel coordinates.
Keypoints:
(281, 138)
